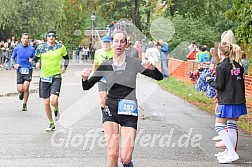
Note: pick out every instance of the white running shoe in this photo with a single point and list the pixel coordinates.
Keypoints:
(216, 138)
(50, 128)
(228, 159)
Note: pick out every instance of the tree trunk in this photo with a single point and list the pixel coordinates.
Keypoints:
(135, 13)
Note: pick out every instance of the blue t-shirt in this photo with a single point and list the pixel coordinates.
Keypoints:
(203, 57)
(22, 55)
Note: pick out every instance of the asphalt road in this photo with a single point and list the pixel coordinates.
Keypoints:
(171, 132)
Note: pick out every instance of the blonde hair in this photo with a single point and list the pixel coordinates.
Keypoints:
(237, 53)
(228, 37)
(228, 51)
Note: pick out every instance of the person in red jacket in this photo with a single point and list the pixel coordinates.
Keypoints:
(192, 54)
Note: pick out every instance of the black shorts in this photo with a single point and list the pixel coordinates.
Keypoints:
(102, 86)
(21, 78)
(123, 120)
(47, 88)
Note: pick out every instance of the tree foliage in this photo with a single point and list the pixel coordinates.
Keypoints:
(202, 20)
(36, 17)
(197, 15)
(188, 29)
(241, 15)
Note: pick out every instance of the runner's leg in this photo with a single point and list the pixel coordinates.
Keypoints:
(128, 135)
(26, 86)
(111, 131)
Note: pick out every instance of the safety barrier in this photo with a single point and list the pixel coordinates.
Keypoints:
(5, 59)
(80, 58)
(181, 69)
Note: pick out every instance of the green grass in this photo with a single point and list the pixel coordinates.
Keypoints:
(199, 99)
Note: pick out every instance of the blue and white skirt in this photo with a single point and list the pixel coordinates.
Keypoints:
(231, 110)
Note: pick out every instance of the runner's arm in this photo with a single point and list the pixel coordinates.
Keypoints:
(89, 83)
(66, 62)
(95, 77)
(155, 74)
(35, 59)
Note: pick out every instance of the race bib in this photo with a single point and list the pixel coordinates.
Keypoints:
(46, 79)
(127, 107)
(24, 70)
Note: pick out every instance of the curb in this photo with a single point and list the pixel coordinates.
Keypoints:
(16, 93)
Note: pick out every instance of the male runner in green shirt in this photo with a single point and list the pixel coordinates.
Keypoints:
(50, 54)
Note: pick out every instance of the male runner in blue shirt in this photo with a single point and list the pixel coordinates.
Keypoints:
(22, 57)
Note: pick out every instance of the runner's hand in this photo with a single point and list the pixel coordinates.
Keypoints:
(63, 70)
(148, 65)
(16, 66)
(85, 74)
(37, 65)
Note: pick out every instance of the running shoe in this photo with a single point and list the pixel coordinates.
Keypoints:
(56, 114)
(228, 159)
(21, 96)
(24, 107)
(51, 127)
(128, 165)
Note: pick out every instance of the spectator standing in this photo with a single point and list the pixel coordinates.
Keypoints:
(153, 55)
(77, 54)
(130, 50)
(85, 52)
(163, 57)
(244, 63)
(144, 46)
(230, 88)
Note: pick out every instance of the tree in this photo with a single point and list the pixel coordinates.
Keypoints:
(187, 29)
(241, 15)
(118, 9)
(25, 16)
(36, 17)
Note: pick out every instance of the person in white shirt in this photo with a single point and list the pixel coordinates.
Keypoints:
(153, 55)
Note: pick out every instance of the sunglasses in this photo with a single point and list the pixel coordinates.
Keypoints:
(51, 35)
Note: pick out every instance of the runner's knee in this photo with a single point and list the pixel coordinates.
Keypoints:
(20, 90)
(47, 102)
(113, 155)
(54, 102)
(26, 88)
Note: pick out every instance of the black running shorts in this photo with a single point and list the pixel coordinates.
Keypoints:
(47, 88)
(21, 78)
(123, 120)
